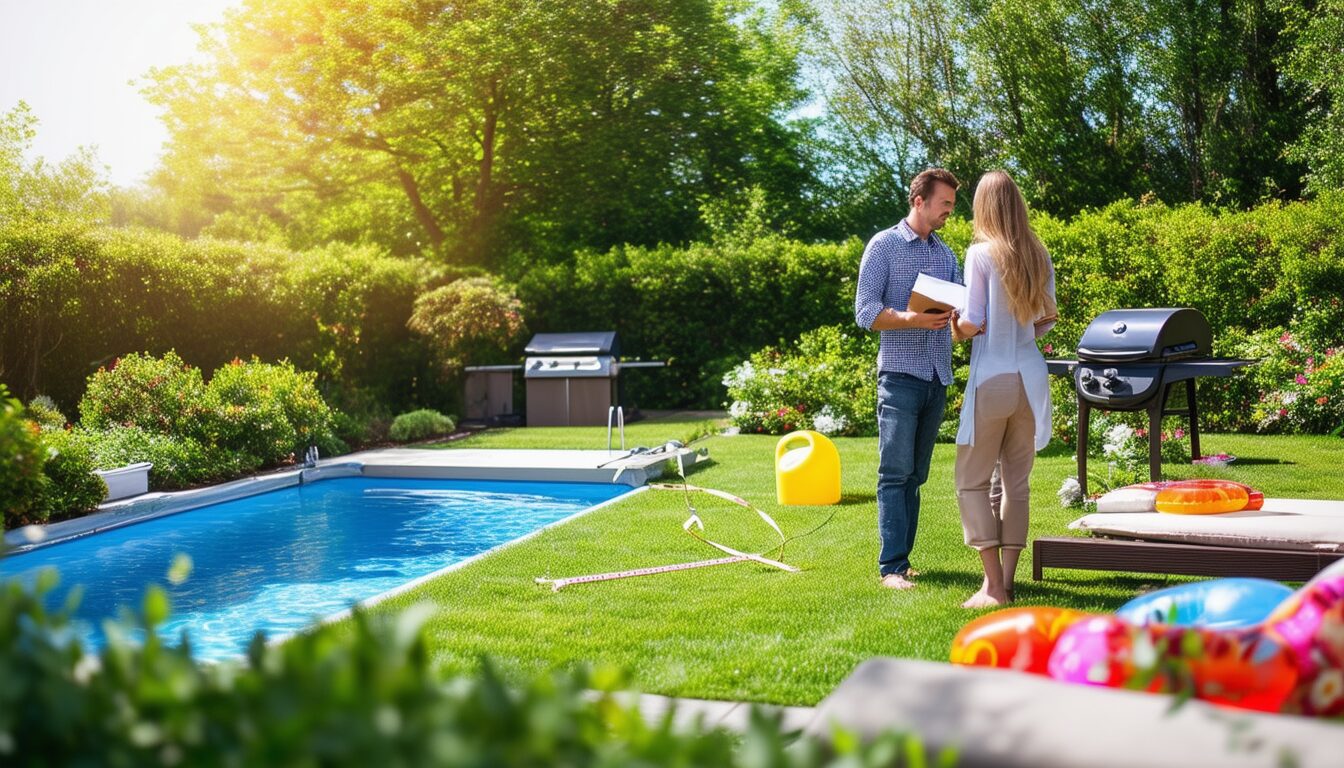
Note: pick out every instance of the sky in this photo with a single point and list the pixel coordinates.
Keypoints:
(75, 62)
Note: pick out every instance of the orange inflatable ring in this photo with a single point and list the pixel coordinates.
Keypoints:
(1254, 499)
(1203, 497)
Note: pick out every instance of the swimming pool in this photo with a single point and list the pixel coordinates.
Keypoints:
(276, 561)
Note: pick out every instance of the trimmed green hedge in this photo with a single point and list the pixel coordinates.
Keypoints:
(1269, 280)
(73, 299)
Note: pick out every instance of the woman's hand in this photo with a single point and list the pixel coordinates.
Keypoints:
(962, 329)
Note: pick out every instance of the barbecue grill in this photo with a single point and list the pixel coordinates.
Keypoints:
(572, 378)
(1129, 360)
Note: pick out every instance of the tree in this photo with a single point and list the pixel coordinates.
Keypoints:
(1316, 63)
(482, 126)
(75, 189)
(1084, 101)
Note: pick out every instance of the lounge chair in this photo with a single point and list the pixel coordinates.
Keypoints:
(1286, 540)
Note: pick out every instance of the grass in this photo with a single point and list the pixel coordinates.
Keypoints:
(748, 632)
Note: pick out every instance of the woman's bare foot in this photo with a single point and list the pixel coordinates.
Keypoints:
(897, 581)
(985, 599)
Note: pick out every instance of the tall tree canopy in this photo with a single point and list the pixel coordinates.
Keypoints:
(477, 127)
(1087, 101)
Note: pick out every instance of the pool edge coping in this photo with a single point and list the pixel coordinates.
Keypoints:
(156, 504)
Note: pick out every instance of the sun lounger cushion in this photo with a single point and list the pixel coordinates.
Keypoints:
(1299, 524)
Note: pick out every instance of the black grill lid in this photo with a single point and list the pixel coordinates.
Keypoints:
(576, 343)
(1146, 334)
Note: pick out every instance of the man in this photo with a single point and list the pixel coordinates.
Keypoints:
(914, 363)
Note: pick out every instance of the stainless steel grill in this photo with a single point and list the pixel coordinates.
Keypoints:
(571, 378)
(1129, 359)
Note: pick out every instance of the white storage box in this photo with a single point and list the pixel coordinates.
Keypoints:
(130, 480)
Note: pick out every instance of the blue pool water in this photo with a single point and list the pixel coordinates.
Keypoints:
(276, 561)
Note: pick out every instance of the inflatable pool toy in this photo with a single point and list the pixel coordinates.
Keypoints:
(1202, 497)
(1245, 668)
(1014, 638)
(1217, 604)
(1200, 639)
(1190, 497)
(1311, 625)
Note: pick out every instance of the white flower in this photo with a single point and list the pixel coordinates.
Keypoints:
(739, 408)
(827, 423)
(739, 375)
(1070, 493)
(1119, 433)
(1289, 398)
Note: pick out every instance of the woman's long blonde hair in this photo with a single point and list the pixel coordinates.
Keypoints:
(1023, 263)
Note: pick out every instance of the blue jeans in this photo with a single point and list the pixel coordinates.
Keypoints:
(909, 411)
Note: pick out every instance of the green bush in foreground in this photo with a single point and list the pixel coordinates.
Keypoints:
(421, 424)
(364, 698)
(21, 460)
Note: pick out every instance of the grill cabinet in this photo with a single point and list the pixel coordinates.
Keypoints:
(571, 378)
(1129, 359)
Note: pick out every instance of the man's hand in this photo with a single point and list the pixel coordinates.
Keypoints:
(931, 321)
(891, 320)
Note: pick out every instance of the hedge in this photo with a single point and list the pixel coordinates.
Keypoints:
(75, 298)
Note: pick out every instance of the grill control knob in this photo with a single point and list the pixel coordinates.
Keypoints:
(1110, 378)
(1089, 381)
(554, 363)
(1119, 328)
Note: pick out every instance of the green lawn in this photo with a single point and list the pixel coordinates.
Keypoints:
(749, 632)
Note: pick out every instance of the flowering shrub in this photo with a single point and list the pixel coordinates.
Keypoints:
(1301, 388)
(139, 390)
(46, 413)
(468, 320)
(827, 383)
(269, 411)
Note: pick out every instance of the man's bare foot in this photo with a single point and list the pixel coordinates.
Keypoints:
(896, 581)
(985, 599)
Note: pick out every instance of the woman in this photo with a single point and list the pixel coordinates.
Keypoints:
(1005, 419)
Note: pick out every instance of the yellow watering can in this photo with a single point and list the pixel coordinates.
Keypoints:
(807, 469)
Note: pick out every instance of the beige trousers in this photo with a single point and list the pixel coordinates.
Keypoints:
(1005, 435)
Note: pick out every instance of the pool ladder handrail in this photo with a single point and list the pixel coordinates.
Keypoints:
(619, 413)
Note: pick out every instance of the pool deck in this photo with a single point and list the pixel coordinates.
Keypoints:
(632, 469)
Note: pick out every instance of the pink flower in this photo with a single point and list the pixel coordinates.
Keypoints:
(1180, 433)
(1300, 379)
(1283, 411)
(1049, 348)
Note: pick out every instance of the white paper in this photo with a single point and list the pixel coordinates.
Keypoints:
(940, 291)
